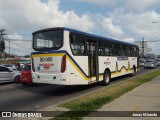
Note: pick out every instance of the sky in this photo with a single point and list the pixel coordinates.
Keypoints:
(124, 20)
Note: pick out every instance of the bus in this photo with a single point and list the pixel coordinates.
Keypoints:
(65, 56)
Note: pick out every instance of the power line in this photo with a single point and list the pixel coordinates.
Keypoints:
(10, 39)
(22, 47)
(153, 41)
(16, 34)
(149, 41)
(15, 49)
(19, 48)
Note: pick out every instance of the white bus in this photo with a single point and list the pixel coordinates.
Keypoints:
(65, 56)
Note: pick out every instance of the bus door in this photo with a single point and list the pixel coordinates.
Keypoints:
(92, 47)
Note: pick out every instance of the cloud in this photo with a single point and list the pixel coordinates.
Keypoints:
(127, 20)
(140, 5)
(129, 40)
(129, 5)
(129, 26)
(116, 32)
(20, 16)
(111, 28)
(135, 24)
(108, 3)
(33, 15)
(15, 36)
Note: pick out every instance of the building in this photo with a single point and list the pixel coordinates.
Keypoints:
(143, 48)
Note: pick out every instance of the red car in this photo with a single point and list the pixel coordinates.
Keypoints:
(26, 76)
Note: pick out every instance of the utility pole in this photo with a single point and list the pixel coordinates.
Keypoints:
(142, 46)
(1, 34)
(2, 44)
(9, 49)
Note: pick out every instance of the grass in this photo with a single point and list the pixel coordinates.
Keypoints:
(81, 107)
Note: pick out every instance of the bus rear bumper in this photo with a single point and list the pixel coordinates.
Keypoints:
(55, 78)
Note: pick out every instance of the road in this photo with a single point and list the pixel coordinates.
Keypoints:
(16, 97)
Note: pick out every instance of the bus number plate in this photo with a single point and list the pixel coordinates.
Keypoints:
(46, 59)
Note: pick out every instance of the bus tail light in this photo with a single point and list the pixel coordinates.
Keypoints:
(33, 68)
(63, 64)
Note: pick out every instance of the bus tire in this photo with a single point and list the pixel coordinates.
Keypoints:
(106, 77)
(134, 72)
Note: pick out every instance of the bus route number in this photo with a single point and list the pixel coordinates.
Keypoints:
(46, 59)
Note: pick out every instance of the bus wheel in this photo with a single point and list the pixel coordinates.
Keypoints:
(106, 78)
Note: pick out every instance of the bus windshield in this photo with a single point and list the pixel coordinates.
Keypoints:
(48, 40)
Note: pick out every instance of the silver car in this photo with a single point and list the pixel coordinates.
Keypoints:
(141, 62)
(158, 62)
(10, 66)
(151, 63)
(7, 75)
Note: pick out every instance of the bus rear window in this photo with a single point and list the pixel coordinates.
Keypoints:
(48, 40)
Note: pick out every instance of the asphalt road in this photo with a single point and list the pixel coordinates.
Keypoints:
(16, 97)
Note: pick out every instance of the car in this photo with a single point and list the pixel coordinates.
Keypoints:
(141, 62)
(26, 75)
(150, 63)
(10, 66)
(8, 75)
(158, 62)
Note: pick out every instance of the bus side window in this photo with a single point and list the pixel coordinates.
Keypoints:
(113, 49)
(77, 44)
(133, 51)
(103, 48)
(120, 50)
(127, 51)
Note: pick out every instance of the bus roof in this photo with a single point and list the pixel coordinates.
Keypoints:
(86, 34)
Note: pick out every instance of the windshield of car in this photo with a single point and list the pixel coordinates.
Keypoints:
(158, 56)
(141, 61)
(27, 67)
(4, 69)
(150, 56)
(149, 61)
(8, 65)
